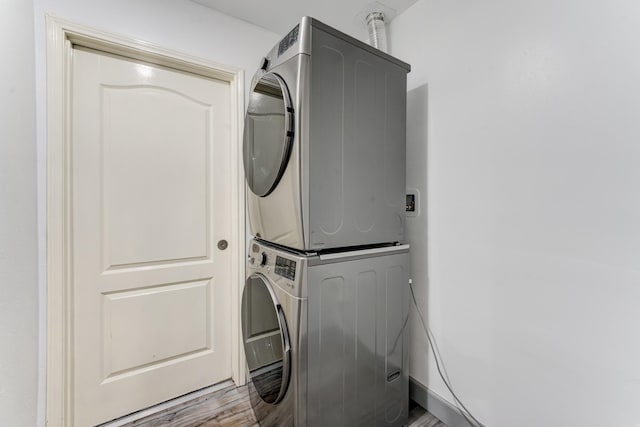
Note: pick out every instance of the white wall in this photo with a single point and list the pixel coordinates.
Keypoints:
(18, 241)
(532, 133)
(182, 26)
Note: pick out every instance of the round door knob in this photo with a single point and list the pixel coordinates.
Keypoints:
(223, 244)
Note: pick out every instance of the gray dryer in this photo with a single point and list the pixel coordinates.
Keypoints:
(324, 142)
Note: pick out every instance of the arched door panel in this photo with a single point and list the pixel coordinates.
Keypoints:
(268, 134)
(266, 339)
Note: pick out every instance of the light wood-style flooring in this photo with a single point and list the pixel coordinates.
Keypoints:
(230, 407)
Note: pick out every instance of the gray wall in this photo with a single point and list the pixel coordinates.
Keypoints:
(526, 256)
(18, 236)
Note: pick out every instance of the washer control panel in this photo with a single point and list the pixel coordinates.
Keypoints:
(285, 268)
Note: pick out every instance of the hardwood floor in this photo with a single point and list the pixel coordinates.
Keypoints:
(230, 407)
(227, 407)
(419, 417)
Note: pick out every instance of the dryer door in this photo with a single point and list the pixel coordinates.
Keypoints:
(266, 339)
(268, 134)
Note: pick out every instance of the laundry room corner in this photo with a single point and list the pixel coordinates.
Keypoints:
(301, 213)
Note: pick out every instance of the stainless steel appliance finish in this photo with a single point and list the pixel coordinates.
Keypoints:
(324, 336)
(324, 142)
(274, 309)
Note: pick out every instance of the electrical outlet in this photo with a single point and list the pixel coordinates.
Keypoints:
(412, 205)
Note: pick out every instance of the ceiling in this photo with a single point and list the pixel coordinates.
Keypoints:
(280, 16)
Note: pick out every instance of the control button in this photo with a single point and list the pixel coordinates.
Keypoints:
(252, 260)
(264, 259)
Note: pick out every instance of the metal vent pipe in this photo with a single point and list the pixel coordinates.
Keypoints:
(377, 30)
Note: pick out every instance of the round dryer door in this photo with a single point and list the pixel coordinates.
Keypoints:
(268, 134)
(266, 339)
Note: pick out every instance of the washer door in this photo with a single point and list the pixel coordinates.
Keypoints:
(268, 134)
(266, 339)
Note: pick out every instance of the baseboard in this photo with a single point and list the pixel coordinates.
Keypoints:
(436, 405)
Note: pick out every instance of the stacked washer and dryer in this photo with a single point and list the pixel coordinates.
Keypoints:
(325, 304)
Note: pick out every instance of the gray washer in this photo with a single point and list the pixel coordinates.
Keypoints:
(324, 142)
(324, 336)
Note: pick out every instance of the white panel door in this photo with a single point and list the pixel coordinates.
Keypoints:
(150, 201)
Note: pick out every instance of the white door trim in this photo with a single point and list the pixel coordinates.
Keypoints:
(61, 37)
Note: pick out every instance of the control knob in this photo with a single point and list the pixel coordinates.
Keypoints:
(263, 259)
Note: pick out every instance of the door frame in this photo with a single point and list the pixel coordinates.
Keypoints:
(62, 35)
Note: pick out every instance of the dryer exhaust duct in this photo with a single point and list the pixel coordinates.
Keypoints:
(377, 30)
